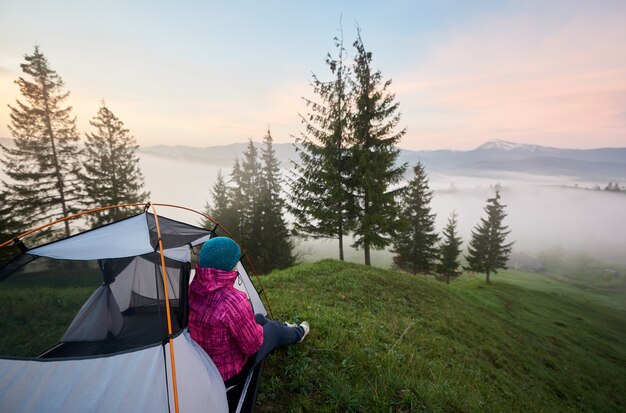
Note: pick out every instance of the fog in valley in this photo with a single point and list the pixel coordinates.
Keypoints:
(544, 212)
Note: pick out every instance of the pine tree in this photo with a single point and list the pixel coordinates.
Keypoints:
(415, 243)
(221, 208)
(251, 208)
(487, 251)
(374, 175)
(276, 247)
(249, 190)
(237, 200)
(111, 169)
(449, 250)
(43, 165)
(318, 196)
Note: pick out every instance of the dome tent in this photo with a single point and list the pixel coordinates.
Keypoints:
(124, 345)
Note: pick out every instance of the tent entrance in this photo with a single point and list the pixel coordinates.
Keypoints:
(68, 308)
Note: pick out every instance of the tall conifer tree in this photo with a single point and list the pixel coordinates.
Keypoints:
(276, 247)
(374, 175)
(252, 208)
(487, 250)
(249, 200)
(236, 199)
(221, 207)
(449, 250)
(111, 168)
(43, 165)
(415, 243)
(318, 196)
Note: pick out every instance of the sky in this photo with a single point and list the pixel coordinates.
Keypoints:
(210, 73)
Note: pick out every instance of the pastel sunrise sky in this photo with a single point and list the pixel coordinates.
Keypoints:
(208, 73)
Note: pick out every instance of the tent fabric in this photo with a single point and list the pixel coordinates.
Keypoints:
(112, 356)
(132, 236)
(200, 385)
(173, 233)
(86, 385)
(143, 278)
(125, 238)
(127, 382)
(99, 316)
(243, 283)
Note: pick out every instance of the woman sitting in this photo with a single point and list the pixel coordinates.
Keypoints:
(221, 319)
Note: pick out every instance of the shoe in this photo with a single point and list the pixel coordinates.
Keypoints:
(292, 325)
(305, 327)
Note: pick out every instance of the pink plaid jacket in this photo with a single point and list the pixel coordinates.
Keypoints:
(221, 320)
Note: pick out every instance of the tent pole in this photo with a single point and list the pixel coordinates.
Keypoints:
(167, 310)
(67, 218)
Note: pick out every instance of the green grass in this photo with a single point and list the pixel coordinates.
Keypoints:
(33, 319)
(386, 341)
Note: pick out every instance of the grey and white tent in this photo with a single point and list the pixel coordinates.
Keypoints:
(99, 310)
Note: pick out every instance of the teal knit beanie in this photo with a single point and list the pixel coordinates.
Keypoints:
(220, 252)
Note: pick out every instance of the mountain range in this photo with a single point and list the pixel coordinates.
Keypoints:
(602, 164)
(496, 156)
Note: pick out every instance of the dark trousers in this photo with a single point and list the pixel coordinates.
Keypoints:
(275, 335)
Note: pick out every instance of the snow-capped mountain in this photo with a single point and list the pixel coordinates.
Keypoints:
(502, 145)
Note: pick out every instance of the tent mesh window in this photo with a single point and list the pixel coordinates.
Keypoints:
(62, 308)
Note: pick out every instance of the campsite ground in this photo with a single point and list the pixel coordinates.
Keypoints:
(387, 341)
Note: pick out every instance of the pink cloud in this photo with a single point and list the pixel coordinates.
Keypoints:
(522, 79)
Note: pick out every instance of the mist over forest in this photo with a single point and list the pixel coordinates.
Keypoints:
(546, 213)
(555, 214)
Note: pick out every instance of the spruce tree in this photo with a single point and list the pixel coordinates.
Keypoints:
(374, 175)
(249, 201)
(221, 208)
(318, 197)
(276, 247)
(237, 200)
(111, 169)
(487, 250)
(415, 243)
(43, 165)
(449, 250)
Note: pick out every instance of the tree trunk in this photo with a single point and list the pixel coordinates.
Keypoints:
(366, 250)
(55, 158)
(488, 281)
(341, 241)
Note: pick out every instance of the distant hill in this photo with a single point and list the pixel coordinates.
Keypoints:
(219, 155)
(489, 158)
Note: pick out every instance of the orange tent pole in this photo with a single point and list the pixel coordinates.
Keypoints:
(67, 218)
(167, 309)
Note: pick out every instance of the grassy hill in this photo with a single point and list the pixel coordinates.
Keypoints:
(385, 341)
